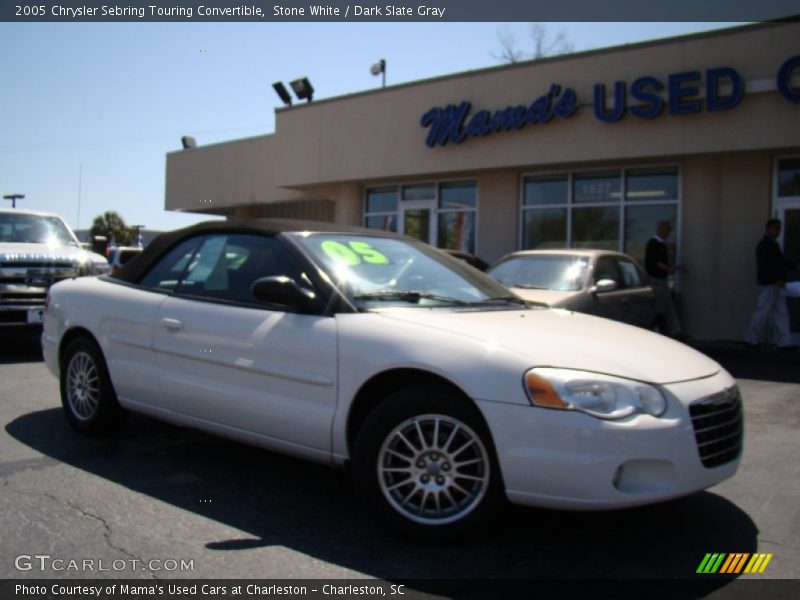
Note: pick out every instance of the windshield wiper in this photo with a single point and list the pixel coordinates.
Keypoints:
(409, 296)
(525, 286)
(506, 300)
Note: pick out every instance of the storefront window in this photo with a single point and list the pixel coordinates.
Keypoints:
(596, 187)
(545, 190)
(789, 177)
(647, 185)
(544, 228)
(446, 211)
(458, 195)
(380, 200)
(457, 215)
(385, 222)
(381, 209)
(457, 231)
(640, 225)
(595, 227)
(615, 210)
(419, 192)
(417, 223)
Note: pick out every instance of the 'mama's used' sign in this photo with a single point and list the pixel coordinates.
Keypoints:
(645, 98)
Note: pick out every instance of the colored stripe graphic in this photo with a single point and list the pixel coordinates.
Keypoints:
(758, 564)
(732, 564)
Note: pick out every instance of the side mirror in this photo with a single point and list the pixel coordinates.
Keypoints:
(603, 286)
(279, 289)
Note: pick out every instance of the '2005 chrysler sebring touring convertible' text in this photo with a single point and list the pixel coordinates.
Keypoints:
(441, 389)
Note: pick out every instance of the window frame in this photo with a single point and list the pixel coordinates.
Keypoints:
(436, 210)
(321, 307)
(570, 205)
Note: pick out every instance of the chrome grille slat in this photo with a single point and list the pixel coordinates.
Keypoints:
(718, 427)
(713, 427)
(734, 434)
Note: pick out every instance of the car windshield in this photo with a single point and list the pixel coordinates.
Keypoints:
(34, 229)
(543, 271)
(376, 271)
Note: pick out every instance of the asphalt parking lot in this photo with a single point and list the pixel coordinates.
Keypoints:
(162, 493)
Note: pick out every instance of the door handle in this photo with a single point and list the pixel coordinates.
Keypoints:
(172, 324)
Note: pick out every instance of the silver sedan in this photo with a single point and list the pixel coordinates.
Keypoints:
(598, 282)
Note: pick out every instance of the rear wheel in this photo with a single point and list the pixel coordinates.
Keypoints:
(87, 395)
(424, 464)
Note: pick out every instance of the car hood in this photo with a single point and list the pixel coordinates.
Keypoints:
(558, 338)
(11, 253)
(549, 297)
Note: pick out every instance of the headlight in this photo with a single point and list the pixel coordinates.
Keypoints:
(601, 396)
(85, 268)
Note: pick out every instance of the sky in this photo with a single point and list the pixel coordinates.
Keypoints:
(89, 111)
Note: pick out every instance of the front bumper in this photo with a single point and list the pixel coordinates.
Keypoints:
(21, 314)
(569, 460)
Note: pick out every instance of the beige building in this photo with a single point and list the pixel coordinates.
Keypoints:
(589, 149)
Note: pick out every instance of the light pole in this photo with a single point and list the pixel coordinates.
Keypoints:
(14, 198)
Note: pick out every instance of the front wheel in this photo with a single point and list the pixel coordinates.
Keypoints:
(424, 464)
(87, 395)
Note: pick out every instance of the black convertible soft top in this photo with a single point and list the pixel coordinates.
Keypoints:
(136, 267)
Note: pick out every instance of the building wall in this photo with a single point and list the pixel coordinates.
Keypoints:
(498, 214)
(377, 135)
(726, 201)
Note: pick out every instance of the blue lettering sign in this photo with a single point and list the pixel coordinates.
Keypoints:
(645, 90)
(618, 110)
(445, 124)
(724, 89)
(680, 88)
(450, 124)
(785, 79)
(566, 105)
(713, 78)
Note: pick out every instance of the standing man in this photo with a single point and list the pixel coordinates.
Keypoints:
(659, 268)
(771, 303)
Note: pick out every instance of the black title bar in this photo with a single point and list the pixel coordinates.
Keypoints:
(276, 11)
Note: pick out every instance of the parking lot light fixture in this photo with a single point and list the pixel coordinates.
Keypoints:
(14, 198)
(303, 89)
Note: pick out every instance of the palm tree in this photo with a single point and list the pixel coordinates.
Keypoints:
(113, 227)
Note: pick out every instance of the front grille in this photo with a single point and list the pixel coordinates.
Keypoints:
(718, 427)
(35, 297)
(27, 264)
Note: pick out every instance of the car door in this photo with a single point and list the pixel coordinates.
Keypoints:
(127, 335)
(250, 370)
(608, 304)
(639, 301)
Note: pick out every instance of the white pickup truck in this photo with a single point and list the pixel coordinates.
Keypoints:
(36, 250)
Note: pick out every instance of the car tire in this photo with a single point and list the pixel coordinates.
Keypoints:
(424, 464)
(87, 395)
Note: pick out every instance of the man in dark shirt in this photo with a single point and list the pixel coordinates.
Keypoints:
(771, 306)
(657, 265)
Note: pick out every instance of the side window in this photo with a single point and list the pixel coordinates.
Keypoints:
(223, 266)
(167, 273)
(606, 268)
(631, 277)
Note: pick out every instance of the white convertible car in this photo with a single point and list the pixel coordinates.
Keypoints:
(440, 389)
